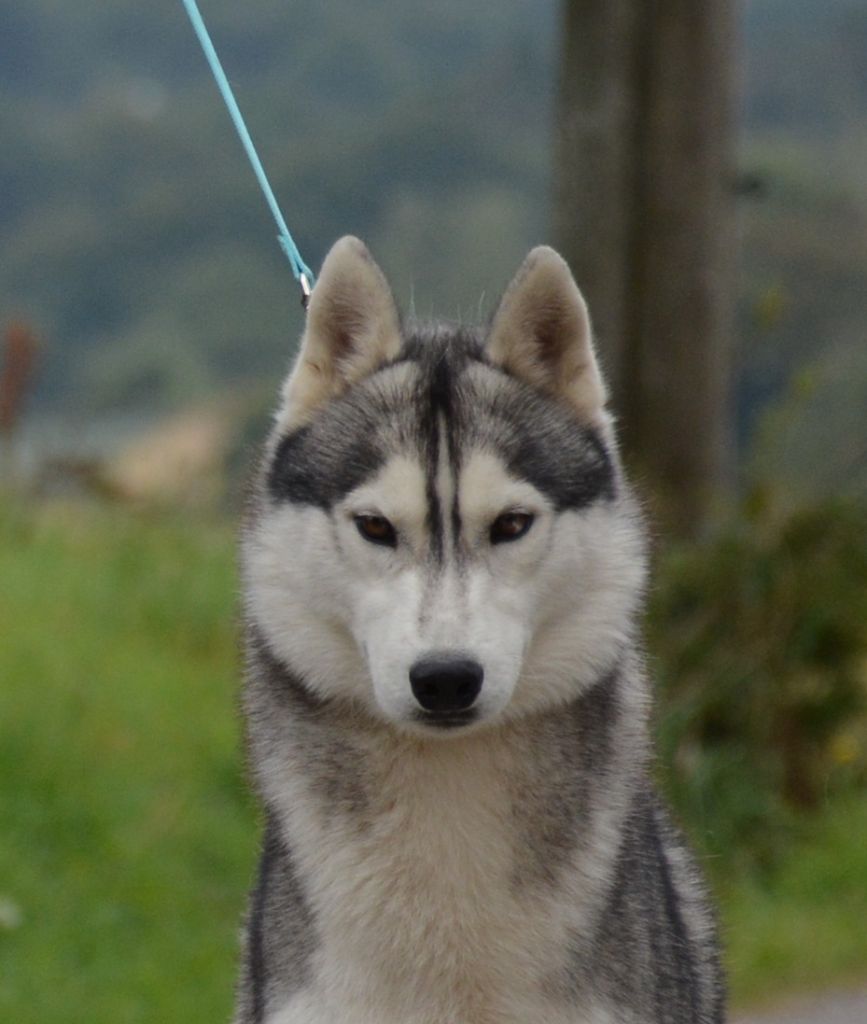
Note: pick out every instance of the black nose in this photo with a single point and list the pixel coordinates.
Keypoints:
(442, 683)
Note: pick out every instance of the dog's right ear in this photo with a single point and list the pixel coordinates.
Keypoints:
(352, 327)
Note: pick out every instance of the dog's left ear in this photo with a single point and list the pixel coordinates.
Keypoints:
(541, 334)
(352, 327)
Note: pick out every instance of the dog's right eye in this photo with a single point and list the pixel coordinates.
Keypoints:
(377, 530)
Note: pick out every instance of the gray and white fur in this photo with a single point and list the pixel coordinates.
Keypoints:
(446, 701)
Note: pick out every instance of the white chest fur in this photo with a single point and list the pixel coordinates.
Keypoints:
(423, 916)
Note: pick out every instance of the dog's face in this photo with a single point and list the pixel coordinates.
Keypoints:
(442, 534)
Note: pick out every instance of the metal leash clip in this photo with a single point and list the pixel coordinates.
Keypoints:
(305, 290)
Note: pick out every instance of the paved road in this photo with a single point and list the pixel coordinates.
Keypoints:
(833, 1008)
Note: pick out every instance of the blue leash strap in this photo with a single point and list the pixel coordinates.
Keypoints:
(299, 268)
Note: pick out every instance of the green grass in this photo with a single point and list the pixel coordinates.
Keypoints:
(805, 926)
(127, 840)
(126, 837)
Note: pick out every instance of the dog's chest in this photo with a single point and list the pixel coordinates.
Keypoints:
(421, 903)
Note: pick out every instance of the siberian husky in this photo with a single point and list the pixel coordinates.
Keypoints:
(445, 698)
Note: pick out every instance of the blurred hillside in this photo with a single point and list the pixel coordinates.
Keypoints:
(134, 236)
(132, 228)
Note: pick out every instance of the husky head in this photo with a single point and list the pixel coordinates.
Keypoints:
(442, 536)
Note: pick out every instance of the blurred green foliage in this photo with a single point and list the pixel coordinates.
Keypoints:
(128, 836)
(802, 925)
(759, 639)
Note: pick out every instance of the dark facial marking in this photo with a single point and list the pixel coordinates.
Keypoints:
(576, 476)
(543, 443)
(438, 404)
(434, 510)
(539, 439)
(323, 461)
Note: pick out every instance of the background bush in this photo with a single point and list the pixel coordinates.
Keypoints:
(759, 638)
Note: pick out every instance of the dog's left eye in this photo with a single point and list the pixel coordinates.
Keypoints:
(377, 530)
(510, 526)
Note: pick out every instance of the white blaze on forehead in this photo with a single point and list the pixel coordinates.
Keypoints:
(397, 492)
(487, 489)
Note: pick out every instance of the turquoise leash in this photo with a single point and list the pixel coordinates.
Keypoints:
(300, 269)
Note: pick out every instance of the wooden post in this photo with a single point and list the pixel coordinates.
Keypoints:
(644, 212)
